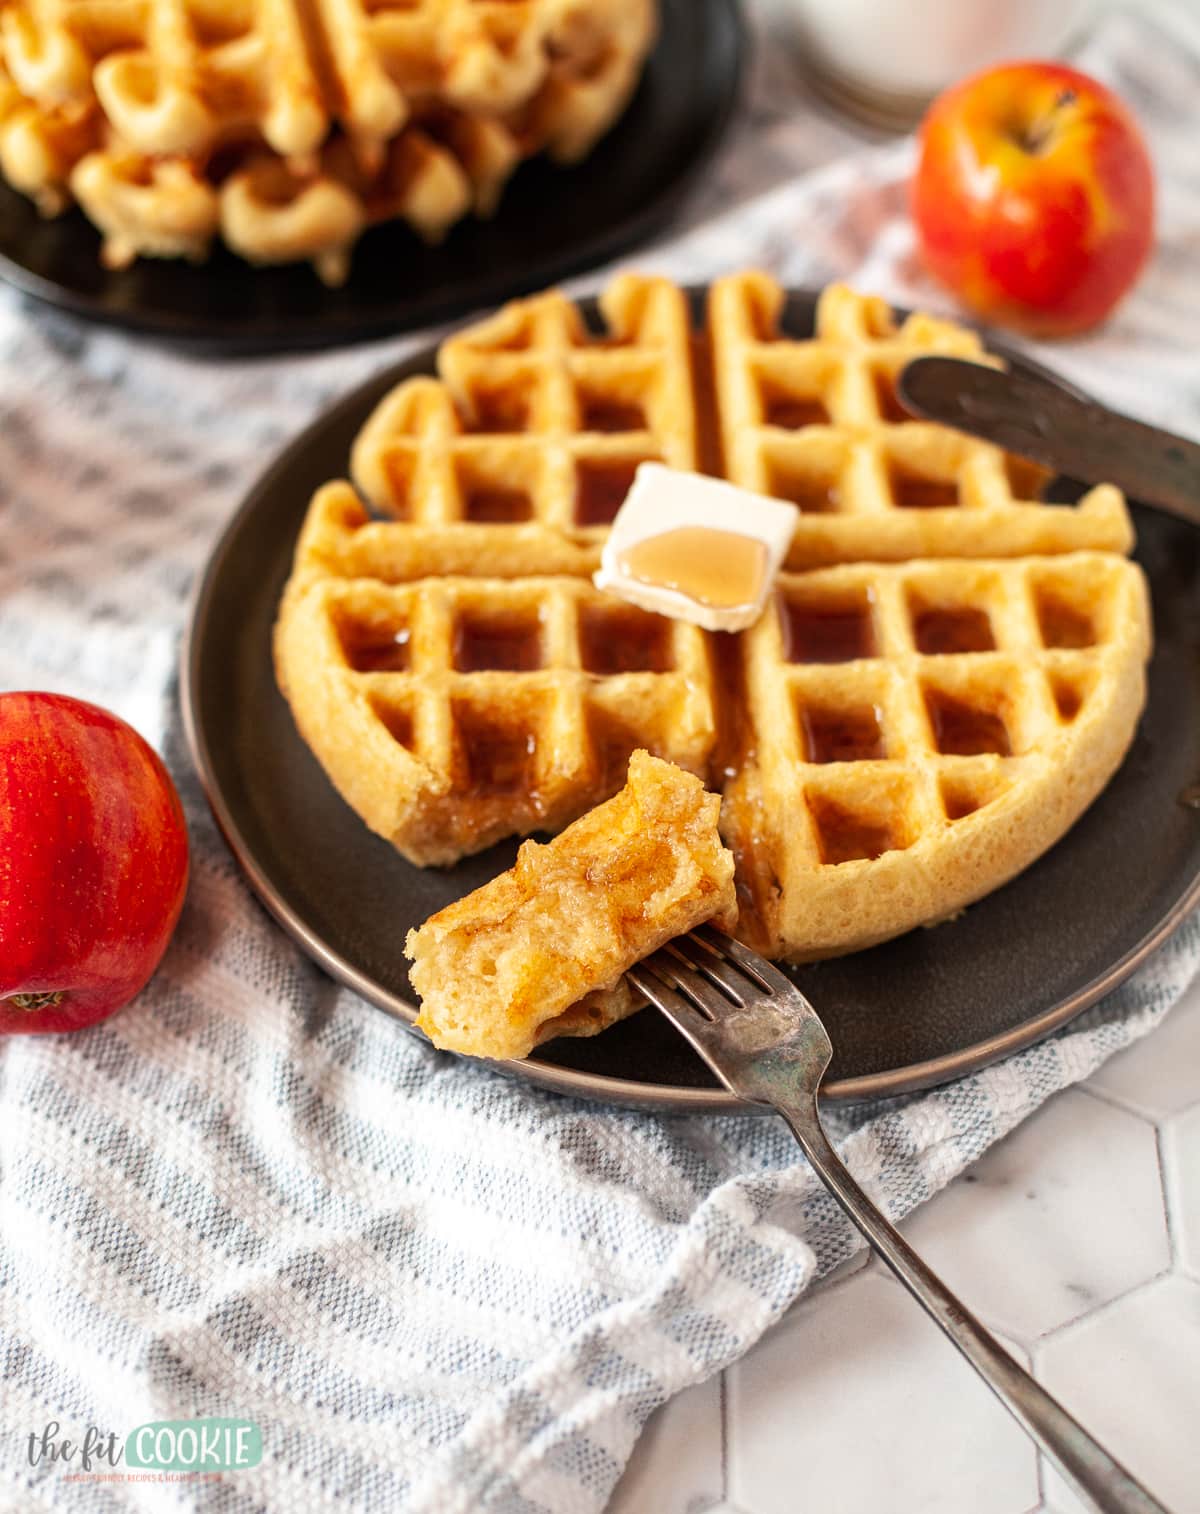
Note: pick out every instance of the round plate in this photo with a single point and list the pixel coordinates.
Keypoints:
(919, 1010)
(551, 222)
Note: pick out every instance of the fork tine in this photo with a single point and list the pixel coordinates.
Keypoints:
(647, 979)
(675, 968)
(756, 968)
(698, 955)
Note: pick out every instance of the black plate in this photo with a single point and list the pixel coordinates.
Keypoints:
(917, 1011)
(551, 222)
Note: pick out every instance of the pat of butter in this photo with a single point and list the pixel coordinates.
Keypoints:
(696, 548)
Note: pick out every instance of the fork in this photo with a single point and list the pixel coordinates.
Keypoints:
(766, 1044)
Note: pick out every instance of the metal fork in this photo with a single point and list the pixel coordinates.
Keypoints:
(765, 1042)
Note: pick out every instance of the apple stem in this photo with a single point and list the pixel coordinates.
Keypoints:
(33, 1002)
(1034, 138)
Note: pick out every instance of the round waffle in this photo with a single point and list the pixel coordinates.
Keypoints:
(912, 722)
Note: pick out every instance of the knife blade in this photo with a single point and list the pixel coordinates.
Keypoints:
(1047, 422)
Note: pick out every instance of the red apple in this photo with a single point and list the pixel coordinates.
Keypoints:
(93, 863)
(1034, 197)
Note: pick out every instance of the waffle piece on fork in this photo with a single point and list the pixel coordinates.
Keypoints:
(539, 951)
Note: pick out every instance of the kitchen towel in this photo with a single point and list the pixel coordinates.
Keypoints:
(250, 1195)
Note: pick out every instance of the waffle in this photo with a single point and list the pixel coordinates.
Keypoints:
(515, 459)
(269, 211)
(518, 457)
(539, 951)
(451, 712)
(817, 422)
(917, 734)
(289, 129)
(895, 737)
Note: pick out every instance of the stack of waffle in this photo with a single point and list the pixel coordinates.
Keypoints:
(288, 127)
(949, 673)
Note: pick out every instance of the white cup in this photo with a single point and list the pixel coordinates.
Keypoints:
(888, 58)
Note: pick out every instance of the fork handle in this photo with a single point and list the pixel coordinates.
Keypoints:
(1084, 1462)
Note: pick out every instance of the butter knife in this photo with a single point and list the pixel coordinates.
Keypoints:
(1057, 427)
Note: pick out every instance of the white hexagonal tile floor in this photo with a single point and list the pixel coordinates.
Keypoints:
(815, 1408)
(1132, 1375)
(1058, 1218)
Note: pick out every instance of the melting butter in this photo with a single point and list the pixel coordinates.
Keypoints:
(695, 548)
(723, 569)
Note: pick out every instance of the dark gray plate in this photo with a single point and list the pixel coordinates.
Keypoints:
(551, 222)
(914, 1012)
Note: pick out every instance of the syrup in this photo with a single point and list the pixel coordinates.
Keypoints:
(1062, 625)
(947, 632)
(1067, 699)
(376, 649)
(398, 468)
(498, 759)
(792, 411)
(959, 802)
(827, 633)
(961, 730)
(397, 721)
(888, 401)
(511, 646)
(704, 397)
(499, 410)
(723, 569)
(842, 735)
(613, 743)
(813, 496)
(601, 413)
(1026, 479)
(499, 506)
(600, 489)
(844, 836)
(916, 491)
(624, 641)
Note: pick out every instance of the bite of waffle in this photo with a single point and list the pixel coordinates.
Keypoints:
(949, 672)
(287, 127)
(540, 950)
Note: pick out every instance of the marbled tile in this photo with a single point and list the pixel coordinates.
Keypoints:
(856, 1403)
(1061, 1216)
(676, 1465)
(1131, 1374)
(1181, 1159)
(1160, 1074)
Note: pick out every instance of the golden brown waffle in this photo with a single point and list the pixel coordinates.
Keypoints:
(290, 128)
(917, 734)
(817, 421)
(539, 951)
(516, 458)
(861, 793)
(525, 447)
(39, 146)
(172, 77)
(270, 211)
(451, 712)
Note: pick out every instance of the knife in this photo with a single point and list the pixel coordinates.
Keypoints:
(1047, 422)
